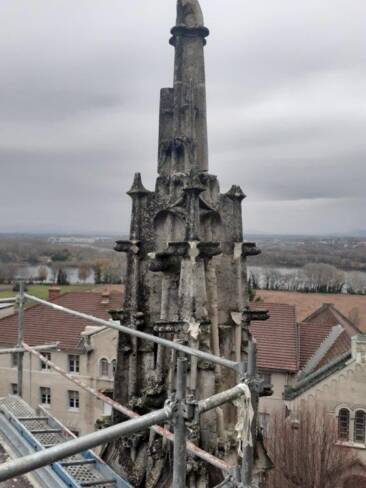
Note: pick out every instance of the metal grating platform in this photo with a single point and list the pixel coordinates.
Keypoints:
(41, 431)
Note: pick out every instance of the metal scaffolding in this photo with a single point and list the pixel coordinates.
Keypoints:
(177, 409)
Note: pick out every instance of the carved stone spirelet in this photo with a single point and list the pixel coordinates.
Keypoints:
(186, 276)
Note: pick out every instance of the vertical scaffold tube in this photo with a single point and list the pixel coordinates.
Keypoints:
(248, 455)
(180, 450)
(20, 354)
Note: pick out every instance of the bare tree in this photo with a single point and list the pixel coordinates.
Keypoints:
(357, 283)
(305, 450)
(42, 273)
(323, 278)
(108, 271)
(8, 272)
(85, 271)
(272, 279)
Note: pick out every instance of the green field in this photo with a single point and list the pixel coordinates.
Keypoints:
(41, 291)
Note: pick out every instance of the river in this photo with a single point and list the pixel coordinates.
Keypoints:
(285, 274)
(32, 272)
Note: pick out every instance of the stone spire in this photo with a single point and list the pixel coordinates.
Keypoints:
(183, 120)
(186, 281)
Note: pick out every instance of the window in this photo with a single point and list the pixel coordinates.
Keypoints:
(14, 389)
(360, 424)
(45, 395)
(44, 366)
(74, 402)
(104, 367)
(14, 359)
(114, 367)
(74, 363)
(267, 378)
(343, 424)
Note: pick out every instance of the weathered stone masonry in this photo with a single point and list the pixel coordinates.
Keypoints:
(187, 278)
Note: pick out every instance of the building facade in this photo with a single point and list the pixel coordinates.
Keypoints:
(339, 387)
(289, 351)
(86, 351)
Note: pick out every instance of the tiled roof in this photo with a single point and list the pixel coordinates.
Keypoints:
(317, 327)
(285, 346)
(341, 346)
(329, 315)
(276, 338)
(44, 325)
(311, 336)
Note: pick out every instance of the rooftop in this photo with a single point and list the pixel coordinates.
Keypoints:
(284, 345)
(277, 337)
(44, 325)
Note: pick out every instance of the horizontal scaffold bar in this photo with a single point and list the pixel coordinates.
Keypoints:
(8, 300)
(45, 347)
(142, 335)
(221, 398)
(11, 351)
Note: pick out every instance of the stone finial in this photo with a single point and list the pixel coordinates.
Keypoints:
(236, 193)
(137, 187)
(189, 13)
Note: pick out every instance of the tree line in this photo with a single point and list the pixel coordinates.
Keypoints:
(312, 278)
(103, 270)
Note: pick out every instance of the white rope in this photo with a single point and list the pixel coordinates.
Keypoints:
(243, 427)
(194, 329)
(168, 408)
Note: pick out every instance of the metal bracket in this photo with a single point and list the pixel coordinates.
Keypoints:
(190, 411)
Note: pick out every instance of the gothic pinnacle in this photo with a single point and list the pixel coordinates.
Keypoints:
(183, 142)
(137, 187)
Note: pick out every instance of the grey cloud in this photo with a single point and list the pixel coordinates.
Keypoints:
(79, 109)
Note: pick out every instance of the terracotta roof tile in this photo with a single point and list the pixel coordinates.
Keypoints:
(44, 325)
(341, 345)
(316, 328)
(311, 336)
(277, 342)
(328, 314)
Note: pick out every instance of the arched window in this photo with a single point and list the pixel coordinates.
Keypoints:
(114, 367)
(360, 425)
(343, 424)
(104, 367)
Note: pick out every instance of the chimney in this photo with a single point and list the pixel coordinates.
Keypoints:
(105, 297)
(53, 292)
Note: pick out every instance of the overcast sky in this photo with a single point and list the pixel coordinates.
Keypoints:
(79, 96)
